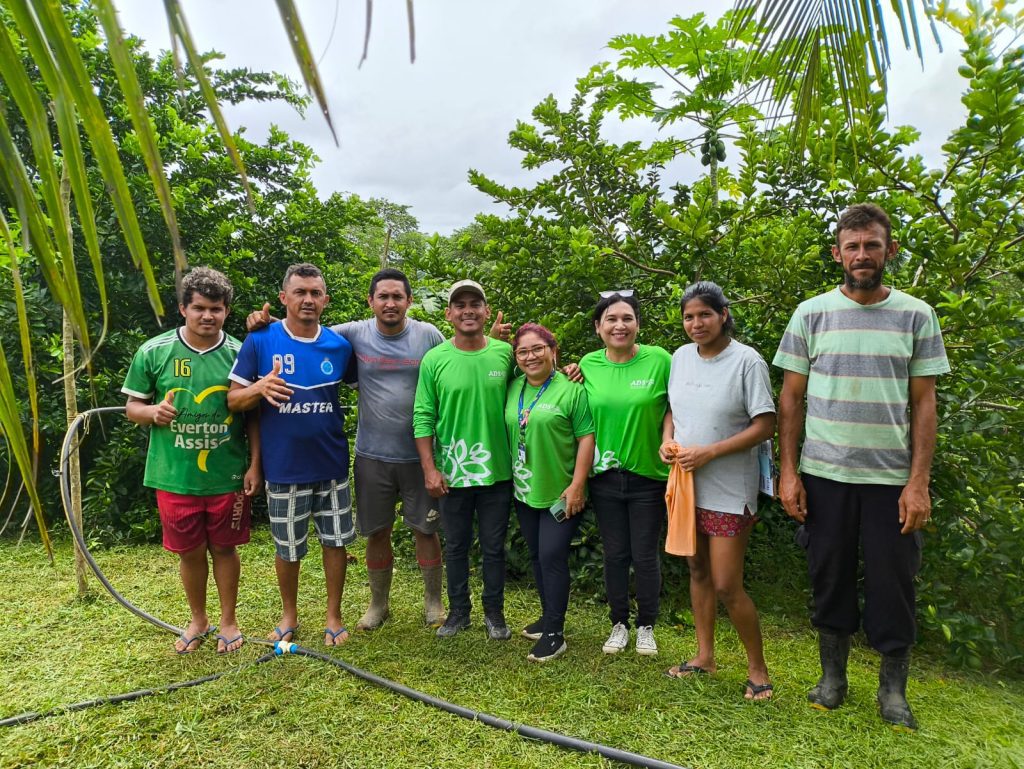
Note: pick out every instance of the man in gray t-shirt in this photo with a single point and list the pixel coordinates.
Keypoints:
(388, 350)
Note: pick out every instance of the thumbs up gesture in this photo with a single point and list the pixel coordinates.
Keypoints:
(272, 387)
(500, 329)
(164, 411)
(258, 319)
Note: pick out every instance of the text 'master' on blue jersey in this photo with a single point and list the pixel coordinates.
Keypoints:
(302, 440)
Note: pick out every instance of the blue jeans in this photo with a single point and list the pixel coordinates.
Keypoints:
(631, 516)
(492, 506)
(548, 542)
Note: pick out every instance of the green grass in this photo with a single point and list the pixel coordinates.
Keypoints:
(302, 712)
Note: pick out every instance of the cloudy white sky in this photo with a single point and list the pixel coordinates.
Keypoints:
(409, 132)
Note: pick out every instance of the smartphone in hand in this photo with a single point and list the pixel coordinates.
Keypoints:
(558, 510)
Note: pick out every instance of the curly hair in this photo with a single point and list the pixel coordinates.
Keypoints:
(209, 284)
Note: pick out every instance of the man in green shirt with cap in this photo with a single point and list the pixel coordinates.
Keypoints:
(460, 437)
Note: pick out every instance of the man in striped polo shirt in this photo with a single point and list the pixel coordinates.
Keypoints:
(864, 356)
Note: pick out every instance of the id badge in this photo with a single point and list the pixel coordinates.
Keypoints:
(522, 453)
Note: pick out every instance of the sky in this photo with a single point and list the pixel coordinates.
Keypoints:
(409, 132)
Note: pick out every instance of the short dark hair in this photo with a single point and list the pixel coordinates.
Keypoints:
(535, 328)
(713, 296)
(607, 301)
(390, 273)
(209, 284)
(860, 216)
(303, 270)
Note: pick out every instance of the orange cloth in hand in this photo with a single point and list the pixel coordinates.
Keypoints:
(682, 518)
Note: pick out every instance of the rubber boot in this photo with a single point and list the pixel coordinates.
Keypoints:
(433, 608)
(380, 593)
(830, 692)
(892, 691)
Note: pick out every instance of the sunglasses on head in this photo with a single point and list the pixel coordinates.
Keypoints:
(623, 292)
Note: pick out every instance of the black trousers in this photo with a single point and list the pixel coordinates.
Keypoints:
(548, 542)
(490, 505)
(631, 516)
(847, 523)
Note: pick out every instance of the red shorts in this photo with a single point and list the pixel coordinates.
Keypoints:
(190, 521)
(715, 524)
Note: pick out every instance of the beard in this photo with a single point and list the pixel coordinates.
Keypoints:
(869, 283)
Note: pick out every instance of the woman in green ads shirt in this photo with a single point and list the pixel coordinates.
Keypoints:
(627, 386)
(551, 438)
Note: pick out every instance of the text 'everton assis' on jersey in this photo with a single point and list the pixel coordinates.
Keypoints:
(303, 439)
(202, 451)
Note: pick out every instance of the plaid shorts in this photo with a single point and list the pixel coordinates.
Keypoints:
(290, 506)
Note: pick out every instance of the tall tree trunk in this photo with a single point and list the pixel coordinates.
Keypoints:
(387, 250)
(71, 405)
(75, 479)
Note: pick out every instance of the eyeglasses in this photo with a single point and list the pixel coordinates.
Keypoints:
(623, 292)
(536, 352)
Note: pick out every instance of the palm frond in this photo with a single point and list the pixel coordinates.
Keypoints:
(852, 36)
(304, 57)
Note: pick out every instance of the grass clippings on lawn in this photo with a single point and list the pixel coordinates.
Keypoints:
(302, 712)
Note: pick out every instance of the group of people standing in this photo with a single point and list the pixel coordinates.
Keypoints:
(460, 431)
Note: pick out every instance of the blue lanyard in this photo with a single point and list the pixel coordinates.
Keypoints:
(524, 416)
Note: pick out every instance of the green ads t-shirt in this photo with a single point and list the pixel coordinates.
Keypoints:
(460, 400)
(628, 401)
(202, 452)
(553, 428)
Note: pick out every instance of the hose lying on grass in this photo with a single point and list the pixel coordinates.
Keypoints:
(285, 648)
(26, 718)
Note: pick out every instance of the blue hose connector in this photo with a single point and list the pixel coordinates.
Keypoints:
(284, 647)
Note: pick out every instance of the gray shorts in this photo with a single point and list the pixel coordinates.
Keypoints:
(291, 505)
(379, 486)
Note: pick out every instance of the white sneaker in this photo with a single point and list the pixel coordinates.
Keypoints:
(645, 643)
(618, 640)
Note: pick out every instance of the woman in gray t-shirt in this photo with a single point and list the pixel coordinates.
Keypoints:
(722, 408)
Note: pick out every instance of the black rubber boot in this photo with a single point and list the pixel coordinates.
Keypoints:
(892, 692)
(830, 691)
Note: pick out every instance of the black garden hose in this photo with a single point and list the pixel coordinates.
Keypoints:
(284, 648)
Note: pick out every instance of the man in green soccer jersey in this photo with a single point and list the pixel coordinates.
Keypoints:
(864, 358)
(460, 437)
(177, 384)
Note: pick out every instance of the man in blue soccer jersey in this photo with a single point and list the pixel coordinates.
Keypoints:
(292, 371)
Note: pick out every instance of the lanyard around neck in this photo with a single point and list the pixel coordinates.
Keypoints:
(524, 415)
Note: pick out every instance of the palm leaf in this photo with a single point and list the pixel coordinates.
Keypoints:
(35, 193)
(144, 130)
(852, 35)
(10, 413)
(181, 31)
(304, 57)
(54, 52)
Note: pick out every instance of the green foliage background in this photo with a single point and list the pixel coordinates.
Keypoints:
(603, 215)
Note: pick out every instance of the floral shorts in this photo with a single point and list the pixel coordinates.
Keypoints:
(715, 524)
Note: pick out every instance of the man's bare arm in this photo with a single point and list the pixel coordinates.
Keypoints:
(272, 387)
(791, 427)
(915, 501)
(433, 479)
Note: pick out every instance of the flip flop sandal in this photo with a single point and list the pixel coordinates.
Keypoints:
(227, 642)
(288, 631)
(200, 637)
(334, 634)
(685, 670)
(756, 689)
